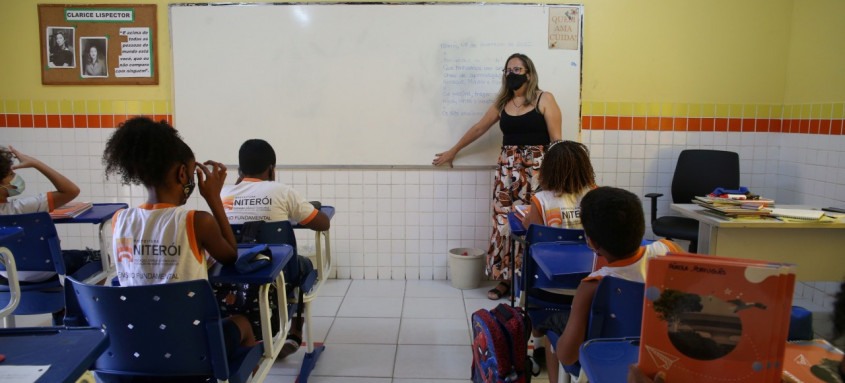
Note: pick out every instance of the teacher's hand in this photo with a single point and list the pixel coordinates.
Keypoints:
(443, 158)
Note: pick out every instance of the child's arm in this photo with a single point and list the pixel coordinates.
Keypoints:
(213, 230)
(320, 222)
(576, 326)
(66, 190)
(533, 216)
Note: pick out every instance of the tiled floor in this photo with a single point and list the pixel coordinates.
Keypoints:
(386, 331)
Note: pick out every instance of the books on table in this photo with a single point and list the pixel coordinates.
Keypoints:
(715, 319)
(811, 361)
(70, 210)
(729, 207)
(736, 201)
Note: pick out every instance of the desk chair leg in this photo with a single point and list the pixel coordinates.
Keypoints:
(513, 271)
(313, 350)
(9, 321)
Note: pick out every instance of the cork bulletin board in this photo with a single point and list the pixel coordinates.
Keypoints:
(98, 44)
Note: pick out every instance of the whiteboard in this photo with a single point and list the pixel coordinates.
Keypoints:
(356, 84)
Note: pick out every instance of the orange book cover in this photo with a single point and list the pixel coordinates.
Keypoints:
(811, 361)
(714, 319)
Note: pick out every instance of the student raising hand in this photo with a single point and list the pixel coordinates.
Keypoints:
(211, 176)
(213, 231)
(65, 191)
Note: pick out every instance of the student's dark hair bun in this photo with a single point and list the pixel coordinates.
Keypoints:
(142, 151)
(5, 162)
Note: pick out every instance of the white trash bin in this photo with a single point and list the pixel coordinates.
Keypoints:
(466, 266)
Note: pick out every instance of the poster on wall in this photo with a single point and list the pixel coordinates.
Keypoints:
(564, 28)
(101, 44)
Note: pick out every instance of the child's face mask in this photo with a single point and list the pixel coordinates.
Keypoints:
(16, 186)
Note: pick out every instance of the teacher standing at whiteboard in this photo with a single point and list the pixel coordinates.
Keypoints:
(530, 119)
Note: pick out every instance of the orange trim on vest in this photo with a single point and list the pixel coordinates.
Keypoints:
(150, 206)
(309, 218)
(192, 239)
(629, 261)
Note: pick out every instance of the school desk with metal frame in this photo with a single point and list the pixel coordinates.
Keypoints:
(98, 214)
(815, 247)
(281, 255)
(7, 259)
(323, 265)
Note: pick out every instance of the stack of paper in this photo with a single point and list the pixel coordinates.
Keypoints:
(70, 210)
(736, 207)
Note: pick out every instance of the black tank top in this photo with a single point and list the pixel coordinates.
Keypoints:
(527, 129)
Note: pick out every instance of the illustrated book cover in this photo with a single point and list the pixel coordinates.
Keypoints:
(811, 361)
(711, 319)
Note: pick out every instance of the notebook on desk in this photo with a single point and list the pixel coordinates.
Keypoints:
(802, 214)
(70, 210)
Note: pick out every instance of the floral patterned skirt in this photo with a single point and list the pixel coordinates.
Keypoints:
(516, 179)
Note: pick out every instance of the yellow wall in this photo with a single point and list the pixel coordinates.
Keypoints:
(816, 65)
(721, 51)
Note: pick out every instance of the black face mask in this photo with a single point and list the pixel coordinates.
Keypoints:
(188, 188)
(515, 81)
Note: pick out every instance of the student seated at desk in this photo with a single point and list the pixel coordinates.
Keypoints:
(159, 241)
(270, 201)
(566, 175)
(12, 185)
(614, 226)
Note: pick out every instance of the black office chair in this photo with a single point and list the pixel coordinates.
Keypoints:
(697, 173)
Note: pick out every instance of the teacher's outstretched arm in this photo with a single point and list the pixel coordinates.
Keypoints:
(482, 126)
(551, 113)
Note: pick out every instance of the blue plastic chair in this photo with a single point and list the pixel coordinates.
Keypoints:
(616, 312)
(167, 330)
(281, 233)
(38, 250)
(539, 234)
(538, 303)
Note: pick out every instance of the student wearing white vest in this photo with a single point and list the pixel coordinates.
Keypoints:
(160, 241)
(256, 196)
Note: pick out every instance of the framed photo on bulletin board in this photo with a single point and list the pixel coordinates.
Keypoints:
(98, 44)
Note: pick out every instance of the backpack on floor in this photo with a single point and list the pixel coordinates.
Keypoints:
(500, 345)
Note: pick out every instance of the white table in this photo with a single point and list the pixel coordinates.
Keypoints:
(818, 249)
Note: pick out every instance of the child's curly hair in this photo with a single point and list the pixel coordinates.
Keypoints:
(6, 161)
(566, 168)
(142, 151)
